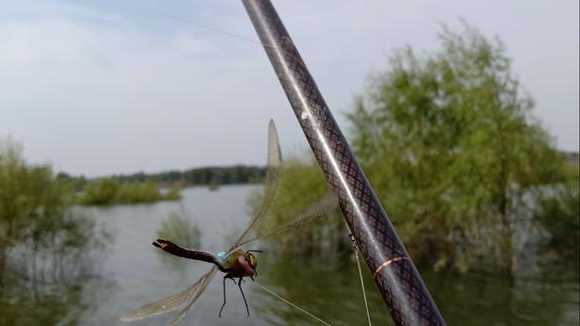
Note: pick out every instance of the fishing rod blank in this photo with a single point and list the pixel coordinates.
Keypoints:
(394, 273)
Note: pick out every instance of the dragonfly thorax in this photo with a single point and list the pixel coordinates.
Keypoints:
(238, 263)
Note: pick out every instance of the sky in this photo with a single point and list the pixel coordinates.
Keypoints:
(97, 87)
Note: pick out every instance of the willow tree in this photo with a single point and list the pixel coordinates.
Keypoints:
(449, 142)
(37, 222)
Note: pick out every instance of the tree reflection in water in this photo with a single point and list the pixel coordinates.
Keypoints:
(329, 288)
(44, 272)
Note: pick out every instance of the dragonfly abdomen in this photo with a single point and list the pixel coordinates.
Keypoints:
(176, 250)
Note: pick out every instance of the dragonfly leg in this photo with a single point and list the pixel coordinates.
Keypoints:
(243, 296)
(224, 304)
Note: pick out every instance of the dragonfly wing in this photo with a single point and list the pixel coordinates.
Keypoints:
(321, 208)
(192, 293)
(170, 303)
(208, 277)
(274, 152)
(272, 176)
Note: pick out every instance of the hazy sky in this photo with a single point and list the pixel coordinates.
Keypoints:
(99, 87)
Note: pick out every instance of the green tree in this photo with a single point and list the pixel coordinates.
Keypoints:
(30, 195)
(449, 142)
(46, 247)
(100, 192)
(36, 218)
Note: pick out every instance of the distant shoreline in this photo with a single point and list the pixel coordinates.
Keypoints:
(203, 176)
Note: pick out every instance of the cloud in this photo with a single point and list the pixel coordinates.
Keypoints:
(105, 87)
(98, 99)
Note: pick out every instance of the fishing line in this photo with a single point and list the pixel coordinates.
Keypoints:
(360, 275)
(311, 315)
(213, 29)
(244, 38)
(197, 26)
(320, 209)
(295, 223)
(362, 283)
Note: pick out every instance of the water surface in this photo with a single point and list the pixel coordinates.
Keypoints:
(131, 272)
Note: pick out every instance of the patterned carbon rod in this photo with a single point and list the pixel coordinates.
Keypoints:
(401, 286)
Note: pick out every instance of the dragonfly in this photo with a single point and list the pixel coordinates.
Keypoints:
(235, 263)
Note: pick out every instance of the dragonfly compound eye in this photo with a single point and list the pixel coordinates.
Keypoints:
(252, 260)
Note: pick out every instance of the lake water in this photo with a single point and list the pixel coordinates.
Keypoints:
(130, 272)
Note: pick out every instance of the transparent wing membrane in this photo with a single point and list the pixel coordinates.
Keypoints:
(319, 209)
(190, 295)
(205, 280)
(170, 303)
(271, 184)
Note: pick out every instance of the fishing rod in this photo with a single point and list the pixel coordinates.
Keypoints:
(394, 273)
